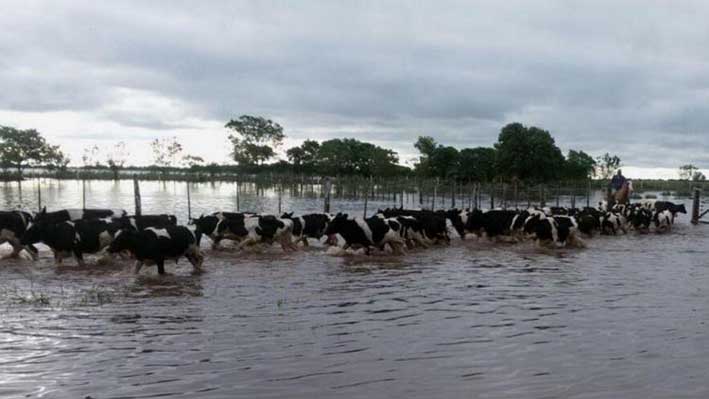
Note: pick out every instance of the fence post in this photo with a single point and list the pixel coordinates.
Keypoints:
(136, 197)
(327, 187)
(695, 206)
(237, 193)
(366, 198)
(189, 202)
(39, 194)
(588, 193)
(492, 195)
(83, 193)
(280, 194)
(435, 193)
(542, 203)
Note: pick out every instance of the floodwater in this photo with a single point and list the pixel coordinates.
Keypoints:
(623, 318)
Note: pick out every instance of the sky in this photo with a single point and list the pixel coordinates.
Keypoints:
(630, 77)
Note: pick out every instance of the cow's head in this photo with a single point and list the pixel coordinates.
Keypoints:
(125, 241)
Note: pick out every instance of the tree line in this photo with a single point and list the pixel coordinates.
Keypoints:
(521, 153)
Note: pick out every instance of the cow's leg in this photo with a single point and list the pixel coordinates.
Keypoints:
(161, 266)
(16, 247)
(32, 250)
(249, 240)
(305, 241)
(195, 258)
(58, 257)
(79, 257)
(138, 266)
(215, 243)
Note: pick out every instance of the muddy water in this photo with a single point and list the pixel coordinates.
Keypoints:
(623, 318)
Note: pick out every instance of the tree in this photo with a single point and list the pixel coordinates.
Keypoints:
(57, 161)
(686, 172)
(528, 154)
(166, 152)
(699, 176)
(192, 161)
(606, 165)
(444, 162)
(477, 164)
(117, 158)
(91, 156)
(426, 145)
(579, 165)
(23, 148)
(354, 157)
(255, 139)
(304, 157)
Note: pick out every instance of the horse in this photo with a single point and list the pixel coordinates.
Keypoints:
(623, 194)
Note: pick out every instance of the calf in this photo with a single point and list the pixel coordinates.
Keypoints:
(312, 225)
(155, 246)
(611, 223)
(365, 233)
(13, 225)
(76, 238)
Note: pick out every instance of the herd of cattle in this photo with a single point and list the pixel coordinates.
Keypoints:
(153, 239)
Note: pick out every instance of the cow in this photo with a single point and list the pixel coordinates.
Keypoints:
(312, 225)
(156, 245)
(588, 220)
(495, 222)
(611, 223)
(661, 206)
(640, 219)
(663, 221)
(77, 214)
(142, 222)
(246, 230)
(13, 225)
(411, 230)
(72, 237)
(357, 232)
(434, 224)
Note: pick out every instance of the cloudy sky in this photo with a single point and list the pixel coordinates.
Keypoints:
(630, 78)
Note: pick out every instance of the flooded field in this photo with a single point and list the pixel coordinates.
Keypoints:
(624, 317)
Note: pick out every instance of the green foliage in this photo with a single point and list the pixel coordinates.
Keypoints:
(579, 165)
(22, 148)
(606, 165)
(528, 154)
(477, 164)
(304, 157)
(255, 139)
(436, 160)
(117, 158)
(354, 157)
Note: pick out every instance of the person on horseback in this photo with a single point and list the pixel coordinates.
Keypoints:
(618, 181)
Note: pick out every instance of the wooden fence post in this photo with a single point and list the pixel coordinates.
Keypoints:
(39, 194)
(237, 193)
(189, 202)
(327, 187)
(695, 206)
(136, 197)
(83, 193)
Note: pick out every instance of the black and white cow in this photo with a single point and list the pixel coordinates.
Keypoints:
(433, 223)
(375, 231)
(661, 206)
(142, 222)
(13, 225)
(246, 230)
(153, 246)
(77, 214)
(612, 223)
(640, 219)
(663, 221)
(312, 225)
(588, 220)
(72, 237)
(494, 222)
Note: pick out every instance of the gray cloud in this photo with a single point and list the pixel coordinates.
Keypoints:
(600, 76)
